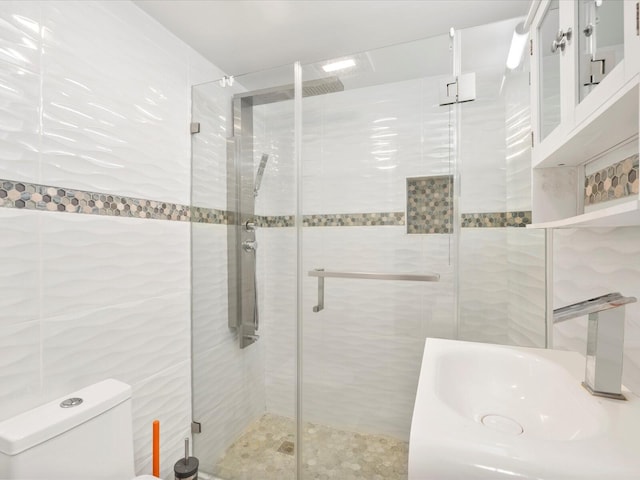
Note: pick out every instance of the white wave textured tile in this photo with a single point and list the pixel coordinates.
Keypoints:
(483, 147)
(483, 280)
(20, 38)
(229, 397)
(277, 301)
(20, 272)
(129, 342)
(112, 122)
(209, 147)
(526, 287)
(19, 368)
(366, 148)
(274, 136)
(592, 262)
(19, 123)
(94, 261)
(164, 397)
(518, 141)
(19, 90)
(209, 286)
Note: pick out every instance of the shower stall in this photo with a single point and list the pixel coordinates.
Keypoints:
(386, 211)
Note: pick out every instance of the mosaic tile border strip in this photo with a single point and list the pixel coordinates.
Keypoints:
(430, 205)
(211, 215)
(31, 196)
(276, 221)
(618, 180)
(353, 219)
(496, 219)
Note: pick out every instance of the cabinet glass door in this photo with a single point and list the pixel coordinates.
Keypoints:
(601, 44)
(549, 69)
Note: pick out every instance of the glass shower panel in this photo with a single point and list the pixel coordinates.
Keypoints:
(377, 198)
(501, 264)
(243, 278)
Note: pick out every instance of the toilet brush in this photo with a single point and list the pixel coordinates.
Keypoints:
(186, 468)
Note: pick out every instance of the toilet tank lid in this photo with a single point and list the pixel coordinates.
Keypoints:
(33, 427)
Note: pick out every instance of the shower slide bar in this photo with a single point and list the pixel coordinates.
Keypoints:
(321, 274)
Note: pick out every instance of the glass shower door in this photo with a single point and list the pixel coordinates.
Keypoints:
(377, 199)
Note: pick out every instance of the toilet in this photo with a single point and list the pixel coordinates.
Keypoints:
(84, 435)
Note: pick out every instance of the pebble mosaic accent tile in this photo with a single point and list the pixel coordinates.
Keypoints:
(496, 219)
(354, 219)
(615, 181)
(328, 454)
(429, 204)
(276, 221)
(211, 215)
(31, 196)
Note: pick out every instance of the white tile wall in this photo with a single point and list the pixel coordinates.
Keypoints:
(96, 95)
(483, 277)
(360, 145)
(115, 260)
(20, 47)
(212, 109)
(502, 289)
(592, 262)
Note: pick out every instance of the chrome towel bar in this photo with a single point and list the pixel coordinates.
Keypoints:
(321, 274)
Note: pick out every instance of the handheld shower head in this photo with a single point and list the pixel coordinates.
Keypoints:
(261, 167)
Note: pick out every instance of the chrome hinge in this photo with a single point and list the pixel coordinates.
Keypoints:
(531, 46)
(458, 89)
(532, 139)
(196, 427)
(195, 127)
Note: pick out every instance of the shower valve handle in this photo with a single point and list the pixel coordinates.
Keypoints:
(250, 246)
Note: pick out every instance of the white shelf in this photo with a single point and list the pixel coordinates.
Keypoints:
(621, 215)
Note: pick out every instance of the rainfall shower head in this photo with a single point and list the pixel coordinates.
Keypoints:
(258, 181)
(322, 86)
(310, 88)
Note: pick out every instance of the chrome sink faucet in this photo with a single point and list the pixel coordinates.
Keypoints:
(605, 341)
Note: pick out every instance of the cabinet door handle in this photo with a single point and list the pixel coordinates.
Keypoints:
(561, 40)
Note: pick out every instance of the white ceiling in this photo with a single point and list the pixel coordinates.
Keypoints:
(242, 36)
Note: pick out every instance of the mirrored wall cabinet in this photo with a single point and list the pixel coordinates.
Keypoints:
(585, 66)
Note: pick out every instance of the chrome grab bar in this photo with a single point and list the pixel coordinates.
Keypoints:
(321, 274)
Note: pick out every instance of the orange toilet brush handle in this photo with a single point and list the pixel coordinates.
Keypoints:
(156, 448)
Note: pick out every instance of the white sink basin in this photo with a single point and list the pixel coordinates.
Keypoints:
(495, 412)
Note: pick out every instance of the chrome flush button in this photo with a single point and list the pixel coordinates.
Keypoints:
(71, 402)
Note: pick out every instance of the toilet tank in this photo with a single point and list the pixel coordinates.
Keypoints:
(90, 440)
